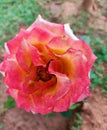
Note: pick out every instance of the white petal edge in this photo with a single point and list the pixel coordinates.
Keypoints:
(6, 48)
(69, 31)
(39, 18)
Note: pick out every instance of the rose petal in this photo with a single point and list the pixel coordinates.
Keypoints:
(63, 103)
(13, 44)
(36, 56)
(46, 99)
(84, 94)
(74, 66)
(60, 45)
(85, 49)
(12, 92)
(14, 75)
(54, 28)
(55, 66)
(23, 55)
(25, 101)
(69, 32)
(39, 36)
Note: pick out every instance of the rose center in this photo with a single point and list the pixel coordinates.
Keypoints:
(43, 74)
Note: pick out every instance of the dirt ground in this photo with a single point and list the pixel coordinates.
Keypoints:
(94, 111)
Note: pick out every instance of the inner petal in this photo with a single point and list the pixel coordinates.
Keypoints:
(60, 45)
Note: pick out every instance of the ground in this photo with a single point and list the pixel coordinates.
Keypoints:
(94, 111)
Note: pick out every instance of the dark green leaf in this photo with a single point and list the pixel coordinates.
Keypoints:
(66, 114)
(74, 106)
(10, 103)
(49, 115)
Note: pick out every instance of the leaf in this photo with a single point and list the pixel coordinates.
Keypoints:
(66, 114)
(74, 106)
(49, 115)
(10, 103)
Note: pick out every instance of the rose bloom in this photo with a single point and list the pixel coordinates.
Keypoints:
(46, 67)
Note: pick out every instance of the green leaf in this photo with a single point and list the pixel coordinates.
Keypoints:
(10, 103)
(66, 114)
(74, 106)
(49, 115)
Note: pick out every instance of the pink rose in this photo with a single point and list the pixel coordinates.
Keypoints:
(46, 67)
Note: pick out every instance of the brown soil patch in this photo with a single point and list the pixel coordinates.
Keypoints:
(65, 11)
(16, 119)
(94, 112)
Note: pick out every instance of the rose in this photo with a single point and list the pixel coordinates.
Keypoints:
(46, 67)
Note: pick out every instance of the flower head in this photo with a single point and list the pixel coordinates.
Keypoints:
(46, 67)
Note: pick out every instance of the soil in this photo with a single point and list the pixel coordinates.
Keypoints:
(67, 11)
(94, 110)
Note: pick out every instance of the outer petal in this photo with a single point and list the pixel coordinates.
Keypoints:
(63, 103)
(24, 101)
(14, 75)
(13, 93)
(69, 32)
(13, 44)
(84, 94)
(39, 36)
(85, 49)
(57, 29)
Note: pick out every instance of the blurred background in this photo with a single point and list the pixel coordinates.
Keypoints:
(88, 19)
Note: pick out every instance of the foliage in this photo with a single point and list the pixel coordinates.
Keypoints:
(10, 103)
(49, 115)
(15, 14)
(66, 113)
(74, 106)
(77, 122)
